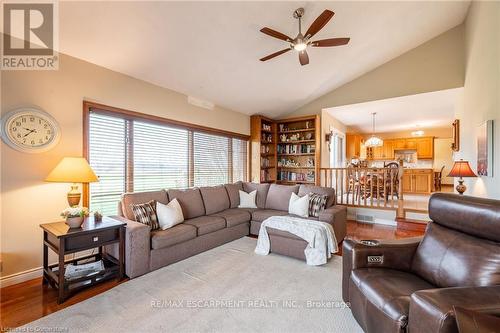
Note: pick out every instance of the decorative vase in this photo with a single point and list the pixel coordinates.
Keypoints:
(74, 222)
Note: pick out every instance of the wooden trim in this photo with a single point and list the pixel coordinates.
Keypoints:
(129, 156)
(301, 118)
(133, 115)
(85, 119)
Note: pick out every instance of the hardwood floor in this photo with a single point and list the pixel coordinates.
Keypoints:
(30, 300)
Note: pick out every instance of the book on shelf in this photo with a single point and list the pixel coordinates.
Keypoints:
(285, 148)
(291, 176)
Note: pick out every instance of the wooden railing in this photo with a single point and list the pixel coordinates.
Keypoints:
(366, 187)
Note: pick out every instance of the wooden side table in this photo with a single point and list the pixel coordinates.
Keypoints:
(63, 240)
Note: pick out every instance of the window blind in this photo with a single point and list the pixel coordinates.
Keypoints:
(239, 159)
(211, 159)
(107, 159)
(133, 154)
(160, 157)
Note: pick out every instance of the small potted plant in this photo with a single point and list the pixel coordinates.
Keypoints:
(75, 216)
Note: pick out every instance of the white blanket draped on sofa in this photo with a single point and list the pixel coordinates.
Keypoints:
(320, 238)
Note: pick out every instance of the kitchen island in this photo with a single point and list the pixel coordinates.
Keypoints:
(418, 180)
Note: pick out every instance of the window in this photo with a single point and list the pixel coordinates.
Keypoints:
(107, 159)
(160, 157)
(337, 150)
(130, 153)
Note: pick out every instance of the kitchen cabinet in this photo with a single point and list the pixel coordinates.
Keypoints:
(399, 144)
(425, 147)
(353, 146)
(385, 152)
(417, 180)
(388, 149)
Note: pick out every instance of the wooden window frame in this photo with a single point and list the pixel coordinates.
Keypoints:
(130, 116)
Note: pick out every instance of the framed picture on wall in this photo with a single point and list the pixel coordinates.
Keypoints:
(485, 149)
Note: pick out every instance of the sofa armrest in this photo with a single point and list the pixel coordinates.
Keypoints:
(396, 254)
(137, 247)
(335, 215)
(432, 310)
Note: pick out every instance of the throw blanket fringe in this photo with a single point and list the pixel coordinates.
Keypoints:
(320, 238)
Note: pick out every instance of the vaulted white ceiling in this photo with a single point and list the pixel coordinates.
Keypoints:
(211, 50)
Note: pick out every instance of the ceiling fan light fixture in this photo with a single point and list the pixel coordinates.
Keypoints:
(300, 47)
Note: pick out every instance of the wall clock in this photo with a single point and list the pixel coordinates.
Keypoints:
(30, 130)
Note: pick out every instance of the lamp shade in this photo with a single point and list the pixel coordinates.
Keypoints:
(461, 169)
(72, 170)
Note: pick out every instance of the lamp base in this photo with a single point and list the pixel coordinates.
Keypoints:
(74, 196)
(461, 187)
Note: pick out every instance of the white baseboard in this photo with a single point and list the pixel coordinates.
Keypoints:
(16, 278)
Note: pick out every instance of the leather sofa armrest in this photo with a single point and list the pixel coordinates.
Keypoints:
(137, 247)
(395, 254)
(432, 310)
(335, 215)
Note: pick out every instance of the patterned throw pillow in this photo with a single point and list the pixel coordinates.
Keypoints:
(145, 213)
(317, 202)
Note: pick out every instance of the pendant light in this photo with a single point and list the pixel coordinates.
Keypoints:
(374, 141)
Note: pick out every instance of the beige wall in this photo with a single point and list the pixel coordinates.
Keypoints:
(26, 200)
(435, 65)
(328, 122)
(480, 100)
(443, 156)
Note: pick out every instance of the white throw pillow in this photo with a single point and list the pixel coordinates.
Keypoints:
(299, 205)
(169, 215)
(247, 200)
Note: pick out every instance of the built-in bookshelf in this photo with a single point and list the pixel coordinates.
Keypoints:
(263, 149)
(285, 151)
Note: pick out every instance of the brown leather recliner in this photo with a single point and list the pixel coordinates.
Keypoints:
(412, 285)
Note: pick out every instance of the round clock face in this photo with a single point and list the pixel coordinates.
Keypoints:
(30, 130)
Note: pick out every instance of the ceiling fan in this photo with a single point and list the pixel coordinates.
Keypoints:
(301, 42)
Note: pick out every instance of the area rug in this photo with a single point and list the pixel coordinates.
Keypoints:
(226, 289)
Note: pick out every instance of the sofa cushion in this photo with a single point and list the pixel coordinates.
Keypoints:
(261, 189)
(234, 216)
(190, 200)
(129, 199)
(278, 196)
(207, 224)
(317, 203)
(145, 213)
(175, 235)
(449, 258)
(262, 214)
(233, 193)
(215, 199)
(387, 291)
(330, 192)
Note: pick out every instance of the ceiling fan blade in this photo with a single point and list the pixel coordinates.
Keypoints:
(319, 23)
(330, 42)
(275, 54)
(275, 34)
(303, 58)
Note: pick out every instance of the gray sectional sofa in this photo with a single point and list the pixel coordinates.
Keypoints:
(212, 219)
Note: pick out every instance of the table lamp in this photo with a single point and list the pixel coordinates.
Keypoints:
(72, 170)
(461, 169)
